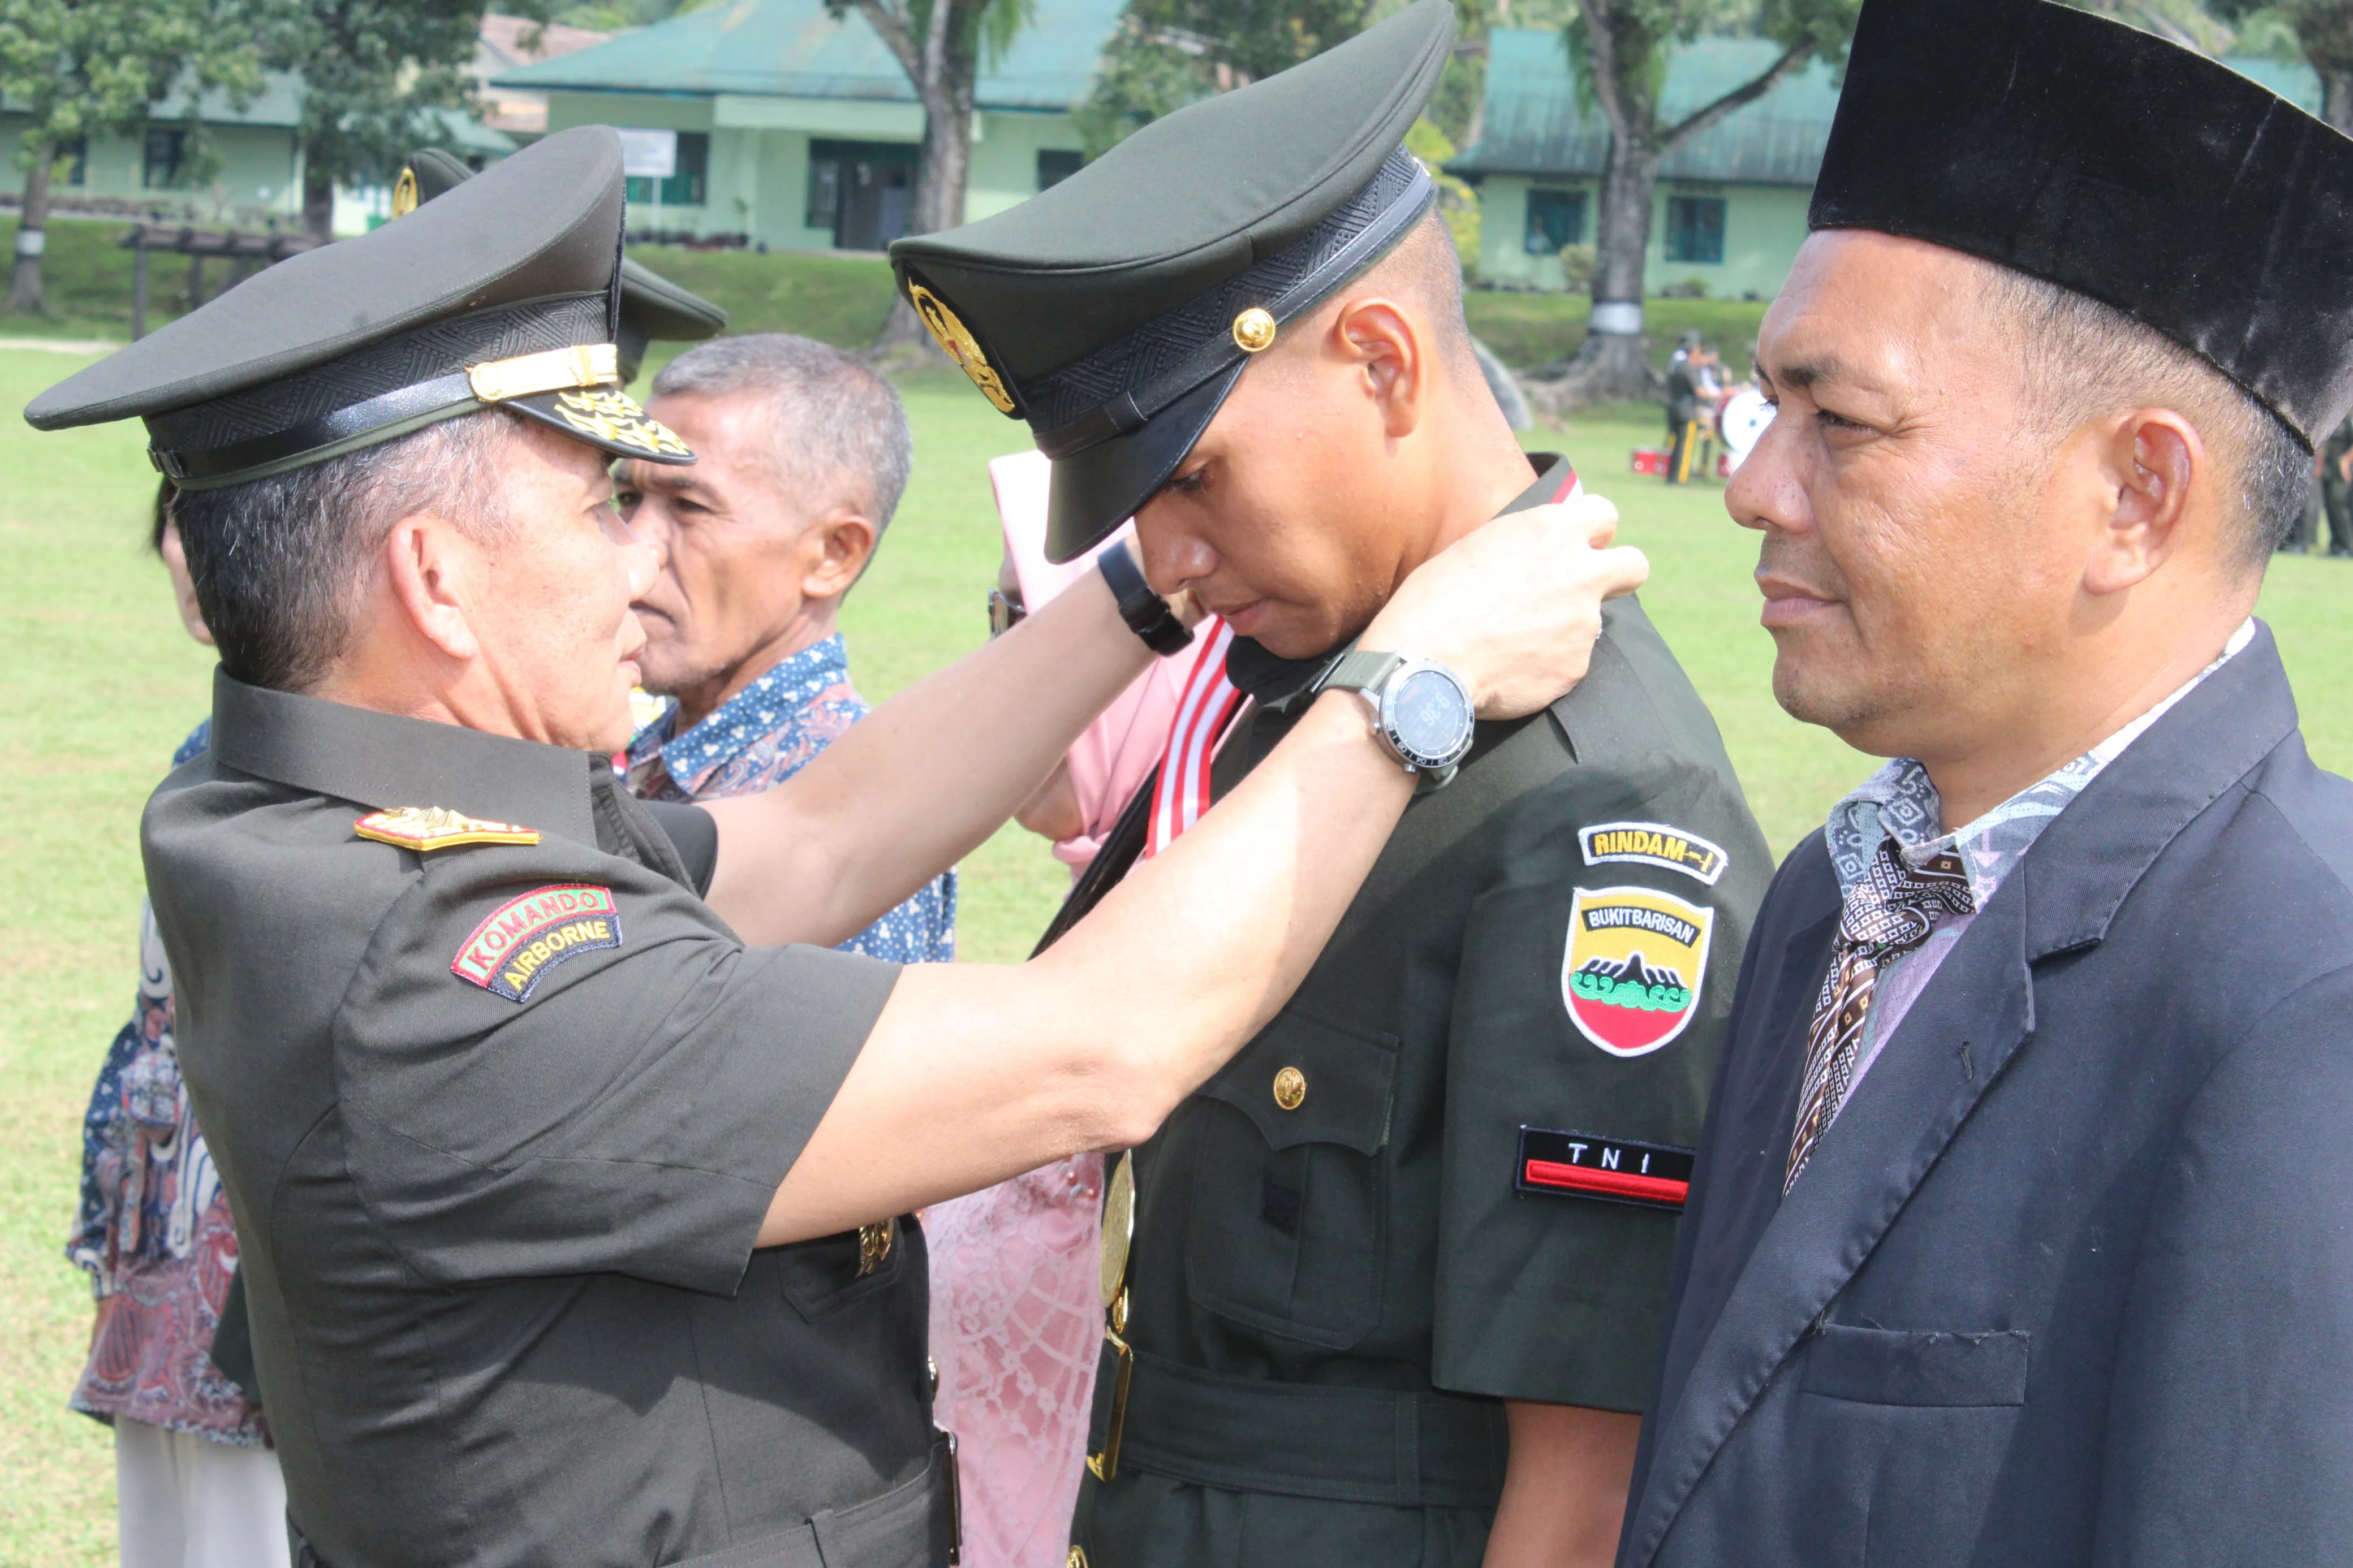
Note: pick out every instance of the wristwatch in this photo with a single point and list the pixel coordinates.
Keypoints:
(1147, 614)
(1422, 709)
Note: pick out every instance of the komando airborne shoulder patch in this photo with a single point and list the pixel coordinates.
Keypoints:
(1635, 961)
(524, 938)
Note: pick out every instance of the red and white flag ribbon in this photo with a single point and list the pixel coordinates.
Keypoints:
(1203, 712)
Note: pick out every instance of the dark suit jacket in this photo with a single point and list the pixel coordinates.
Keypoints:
(2071, 1279)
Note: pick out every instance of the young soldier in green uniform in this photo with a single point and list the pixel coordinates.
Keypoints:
(1396, 1272)
(574, 1203)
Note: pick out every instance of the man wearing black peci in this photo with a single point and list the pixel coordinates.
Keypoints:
(2020, 1230)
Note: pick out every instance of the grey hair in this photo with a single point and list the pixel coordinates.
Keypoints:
(832, 415)
(281, 563)
(2085, 359)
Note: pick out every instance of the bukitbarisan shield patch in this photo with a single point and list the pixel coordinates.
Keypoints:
(518, 942)
(1634, 964)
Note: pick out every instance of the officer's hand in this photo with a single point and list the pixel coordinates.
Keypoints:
(1515, 608)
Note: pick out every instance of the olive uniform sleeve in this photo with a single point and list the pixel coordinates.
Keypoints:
(553, 1061)
(1596, 977)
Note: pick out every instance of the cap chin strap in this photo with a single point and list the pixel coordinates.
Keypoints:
(1132, 409)
(577, 368)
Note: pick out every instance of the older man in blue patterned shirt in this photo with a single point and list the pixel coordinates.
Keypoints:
(802, 454)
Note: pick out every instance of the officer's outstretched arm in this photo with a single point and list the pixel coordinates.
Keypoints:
(921, 781)
(976, 1073)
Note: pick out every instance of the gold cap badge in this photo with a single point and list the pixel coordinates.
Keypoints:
(404, 194)
(1254, 331)
(960, 345)
(616, 417)
(425, 828)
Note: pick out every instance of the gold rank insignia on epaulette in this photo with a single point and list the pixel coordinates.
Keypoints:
(425, 828)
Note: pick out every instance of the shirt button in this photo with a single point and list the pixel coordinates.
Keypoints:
(1291, 1089)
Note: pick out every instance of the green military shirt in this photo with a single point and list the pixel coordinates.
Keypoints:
(1447, 1174)
(499, 1121)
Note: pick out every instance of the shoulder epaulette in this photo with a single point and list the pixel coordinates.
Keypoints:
(425, 828)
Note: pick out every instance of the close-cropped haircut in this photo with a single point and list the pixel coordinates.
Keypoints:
(281, 563)
(2085, 359)
(1426, 266)
(831, 416)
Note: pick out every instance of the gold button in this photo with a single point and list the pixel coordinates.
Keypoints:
(1254, 331)
(1291, 1089)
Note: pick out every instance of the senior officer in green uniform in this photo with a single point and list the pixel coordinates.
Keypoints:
(1397, 1272)
(566, 1207)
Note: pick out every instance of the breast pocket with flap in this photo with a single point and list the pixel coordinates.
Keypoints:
(1290, 1203)
(1903, 1366)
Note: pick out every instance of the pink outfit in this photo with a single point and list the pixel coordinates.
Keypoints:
(1111, 760)
(1016, 1314)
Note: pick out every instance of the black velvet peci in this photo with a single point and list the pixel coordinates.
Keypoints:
(2107, 161)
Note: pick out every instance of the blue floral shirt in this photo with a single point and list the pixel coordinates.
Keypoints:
(763, 735)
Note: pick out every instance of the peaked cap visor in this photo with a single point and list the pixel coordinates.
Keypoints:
(1091, 493)
(653, 309)
(1188, 201)
(2105, 159)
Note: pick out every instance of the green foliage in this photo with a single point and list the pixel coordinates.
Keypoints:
(1168, 53)
(1529, 331)
(843, 300)
(1577, 267)
(840, 300)
(1457, 202)
(87, 277)
(75, 68)
(614, 16)
(373, 71)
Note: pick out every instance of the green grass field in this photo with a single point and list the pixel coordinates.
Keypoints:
(105, 684)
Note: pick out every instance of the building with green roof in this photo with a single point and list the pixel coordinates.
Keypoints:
(796, 130)
(257, 157)
(254, 151)
(1731, 201)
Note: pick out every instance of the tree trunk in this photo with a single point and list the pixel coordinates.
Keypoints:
(24, 293)
(948, 63)
(2337, 99)
(318, 200)
(1622, 52)
(1613, 359)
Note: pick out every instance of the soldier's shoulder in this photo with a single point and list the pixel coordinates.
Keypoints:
(1637, 702)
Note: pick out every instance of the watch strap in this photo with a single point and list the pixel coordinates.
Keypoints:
(1359, 669)
(1147, 614)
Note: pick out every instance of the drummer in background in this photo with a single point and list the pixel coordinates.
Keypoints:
(1742, 417)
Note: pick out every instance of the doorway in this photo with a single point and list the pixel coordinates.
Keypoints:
(861, 191)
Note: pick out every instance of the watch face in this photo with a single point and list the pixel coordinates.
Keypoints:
(1428, 718)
